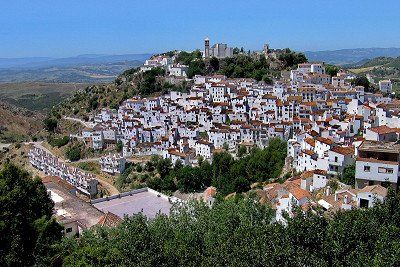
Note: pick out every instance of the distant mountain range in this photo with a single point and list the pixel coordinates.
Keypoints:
(89, 68)
(351, 56)
(89, 59)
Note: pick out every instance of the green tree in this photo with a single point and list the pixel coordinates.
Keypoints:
(331, 70)
(361, 81)
(291, 59)
(225, 146)
(119, 146)
(178, 165)
(196, 67)
(214, 62)
(139, 167)
(58, 142)
(242, 150)
(73, 153)
(348, 175)
(27, 229)
(241, 232)
(50, 124)
(163, 167)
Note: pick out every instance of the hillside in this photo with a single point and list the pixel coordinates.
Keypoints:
(46, 62)
(89, 68)
(18, 124)
(67, 73)
(37, 96)
(381, 68)
(351, 56)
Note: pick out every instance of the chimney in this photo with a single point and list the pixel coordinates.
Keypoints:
(346, 199)
(328, 190)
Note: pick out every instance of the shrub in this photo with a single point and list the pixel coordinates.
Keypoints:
(73, 154)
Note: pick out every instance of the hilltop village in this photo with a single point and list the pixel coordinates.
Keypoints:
(330, 126)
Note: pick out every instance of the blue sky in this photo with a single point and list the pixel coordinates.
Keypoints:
(59, 28)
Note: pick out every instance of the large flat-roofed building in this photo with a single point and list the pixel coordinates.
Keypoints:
(377, 164)
(145, 200)
(72, 212)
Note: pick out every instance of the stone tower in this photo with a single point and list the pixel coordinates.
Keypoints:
(207, 48)
(266, 49)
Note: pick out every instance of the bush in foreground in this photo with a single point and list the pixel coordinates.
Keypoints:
(240, 232)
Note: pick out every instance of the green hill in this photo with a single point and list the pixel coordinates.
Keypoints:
(385, 62)
(381, 68)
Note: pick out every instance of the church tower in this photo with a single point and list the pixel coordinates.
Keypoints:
(206, 48)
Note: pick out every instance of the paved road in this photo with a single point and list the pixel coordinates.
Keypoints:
(84, 123)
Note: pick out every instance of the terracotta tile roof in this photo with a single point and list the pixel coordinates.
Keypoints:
(310, 141)
(343, 150)
(325, 140)
(210, 192)
(307, 174)
(57, 180)
(299, 193)
(308, 152)
(110, 220)
(376, 189)
(383, 129)
(320, 172)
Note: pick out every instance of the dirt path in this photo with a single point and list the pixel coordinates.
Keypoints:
(84, 123)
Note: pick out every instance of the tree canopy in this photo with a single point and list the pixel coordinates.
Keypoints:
(240, 232)
(225, 173)
(234, 232)
(331, 70)
(290, 58)
(245, 66)
(348, 175)
(27, 231)
(363, 81)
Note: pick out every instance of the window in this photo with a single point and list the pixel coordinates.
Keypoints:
(385, 170)
(68, 230)
(367, 168)
(336, 159)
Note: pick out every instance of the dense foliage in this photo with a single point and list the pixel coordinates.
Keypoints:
(225, 173)
(188, 57)
(50, 124)
(239, 232)
(349, 174)
(234, 232)
(241, 65)
(148, 83)
(27, 230)
(331, 70)
(58, 141)
(73, 153)
(245, 66)
(290, 58)
(362, 80)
